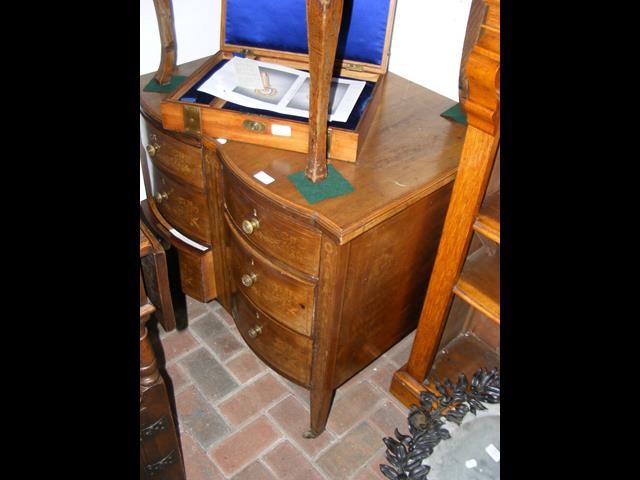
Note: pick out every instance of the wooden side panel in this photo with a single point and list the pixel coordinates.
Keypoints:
(389, 268)
(197, 274)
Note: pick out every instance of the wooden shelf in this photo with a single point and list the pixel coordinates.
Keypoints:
(488, 221)
(479, 283)
(464, 354)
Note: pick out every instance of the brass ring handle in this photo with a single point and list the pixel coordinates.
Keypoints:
(161, 196)
(152, 149)
(255, 331)
(248, 226)
(248, 279)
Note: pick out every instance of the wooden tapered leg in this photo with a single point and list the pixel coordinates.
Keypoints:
(321, 400)
(334, 262)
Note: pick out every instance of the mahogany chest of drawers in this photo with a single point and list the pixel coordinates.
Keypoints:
(317, 291)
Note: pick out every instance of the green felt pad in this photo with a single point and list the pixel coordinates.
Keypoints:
(332, 186)
(455, 113)
(154, 86)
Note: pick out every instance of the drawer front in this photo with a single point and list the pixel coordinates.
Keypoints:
(287, 298)
(276, 233)
(184, 208)
(283, 350)
(197, 277)
(182, 160)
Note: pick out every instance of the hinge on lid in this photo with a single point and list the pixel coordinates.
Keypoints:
(245, 52)
(353, 67)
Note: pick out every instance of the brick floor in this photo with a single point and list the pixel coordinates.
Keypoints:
(239, 420)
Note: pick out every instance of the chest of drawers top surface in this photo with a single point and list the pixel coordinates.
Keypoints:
(410, 151)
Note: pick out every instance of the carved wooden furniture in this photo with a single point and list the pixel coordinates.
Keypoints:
(317, 291)
(474, 278)
(160, 454)
(338, 282)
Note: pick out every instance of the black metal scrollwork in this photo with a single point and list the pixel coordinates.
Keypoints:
(157, 467)
(151, 430)
(405, 453)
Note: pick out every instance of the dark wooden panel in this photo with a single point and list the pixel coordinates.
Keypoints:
(389, 269)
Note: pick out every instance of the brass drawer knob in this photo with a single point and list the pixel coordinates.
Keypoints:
(255, 331)
(249, 279)
(161, 196)
(152, 149)
(248, 226)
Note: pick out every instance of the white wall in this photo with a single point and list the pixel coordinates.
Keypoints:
(426, 46)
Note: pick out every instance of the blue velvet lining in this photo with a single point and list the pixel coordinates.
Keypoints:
(193, 95)
(282, 25)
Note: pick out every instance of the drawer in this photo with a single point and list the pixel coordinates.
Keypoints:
(186, 209)
(275, 232)
(286, 352)
(287, 298)
(197, 277)
(182, 160)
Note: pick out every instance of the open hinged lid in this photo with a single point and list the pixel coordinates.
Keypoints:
(279, 28)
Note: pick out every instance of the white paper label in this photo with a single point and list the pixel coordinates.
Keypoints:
(493, 452)
(247, 73)
(222, 140)
(281, 130)
(187, 240)
(264, 177)
(471, 463)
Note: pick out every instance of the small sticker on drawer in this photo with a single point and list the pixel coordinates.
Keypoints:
(264, 177)
(281, 130)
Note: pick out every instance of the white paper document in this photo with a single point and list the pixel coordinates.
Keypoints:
(279, 89)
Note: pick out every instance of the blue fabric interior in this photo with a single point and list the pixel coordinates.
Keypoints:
(282, 25)
(193, 95)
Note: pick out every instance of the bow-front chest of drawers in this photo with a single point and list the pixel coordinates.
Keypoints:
(317, 291)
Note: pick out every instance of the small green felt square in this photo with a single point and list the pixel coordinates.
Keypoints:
(455, 113)
(154, 86)
(332, 186)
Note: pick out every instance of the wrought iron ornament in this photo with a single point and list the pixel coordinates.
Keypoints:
(405, 453)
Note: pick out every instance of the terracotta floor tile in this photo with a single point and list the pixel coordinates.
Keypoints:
(217, 336)
(211, 377)
(289, 463)
(389, 417)
(199, 418)
(178, 343)
(292, 417)
(196, 463)
(244, 446)
(245, 366)
(177, 377)
(352, 407)
(255, 471)
(252, 399)
(343, 459)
